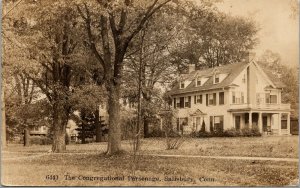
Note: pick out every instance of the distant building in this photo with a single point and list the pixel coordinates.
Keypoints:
(231, 96)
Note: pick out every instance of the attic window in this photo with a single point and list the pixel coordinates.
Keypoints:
(217, 78)
(198, 82)
(181, 85)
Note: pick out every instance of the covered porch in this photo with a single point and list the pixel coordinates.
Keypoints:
(267, 122)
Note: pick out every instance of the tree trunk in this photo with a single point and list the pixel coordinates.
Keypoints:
(26, 137)
(98, 127)
(114, 133)
(59, 130)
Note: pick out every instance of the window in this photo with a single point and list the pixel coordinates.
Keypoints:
(218, 124)
(271, 99)
(221, 98)
(198, 81)
(187, 102)
(181, 85)
(198, 99)
(217, 78)
(238, 97)
(210, 99)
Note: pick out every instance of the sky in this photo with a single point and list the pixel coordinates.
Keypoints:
(279, 32)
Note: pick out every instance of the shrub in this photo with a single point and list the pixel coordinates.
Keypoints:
(40, 140)
(232, 132)
(204, 134)
(157, 133)
(211, 128)
(174, 142)
(203, 127)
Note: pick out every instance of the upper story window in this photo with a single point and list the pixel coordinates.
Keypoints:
(211, 99)
(237, 97)
(221, 98)
(198, 99)
(217, 78)
(182, 85)
(271, 98)
(187, 102)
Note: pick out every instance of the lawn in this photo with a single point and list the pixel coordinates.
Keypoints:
(85, 161)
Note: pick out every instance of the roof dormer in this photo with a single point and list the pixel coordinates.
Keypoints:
(200, 81)
(181, 84)
(219, 77)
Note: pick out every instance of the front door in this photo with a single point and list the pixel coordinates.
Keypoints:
(265, 123)
(237, 122)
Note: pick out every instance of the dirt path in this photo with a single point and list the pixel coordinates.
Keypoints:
(230, 157)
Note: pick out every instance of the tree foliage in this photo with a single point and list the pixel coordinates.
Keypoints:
(283, 75)
(212, 38)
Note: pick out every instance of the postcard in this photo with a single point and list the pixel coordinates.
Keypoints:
(150, 93)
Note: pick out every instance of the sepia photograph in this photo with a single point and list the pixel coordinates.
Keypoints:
(150, 93)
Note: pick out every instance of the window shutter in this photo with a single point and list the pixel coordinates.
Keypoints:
(221, 98)
(195, 99)
(181, 102)
(215, 98)
(267, 96)
(206, 99)
(190, 101)
(174, 102)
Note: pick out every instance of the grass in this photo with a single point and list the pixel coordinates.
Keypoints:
(87, 160)
(274, 146)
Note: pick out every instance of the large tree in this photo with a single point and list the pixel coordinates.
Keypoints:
(118, 23)
(212, 38)
(148, 67)
(48, 37)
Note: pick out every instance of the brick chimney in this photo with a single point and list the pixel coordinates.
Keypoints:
(191, 68)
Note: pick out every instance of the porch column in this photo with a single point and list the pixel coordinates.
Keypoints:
(250, 120)
(289, 123)
(260, 122)
(161, 124)
(279, 123)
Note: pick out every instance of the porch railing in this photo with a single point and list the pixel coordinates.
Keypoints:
(261, 106)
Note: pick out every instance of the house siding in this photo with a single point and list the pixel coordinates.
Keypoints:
(250, 87)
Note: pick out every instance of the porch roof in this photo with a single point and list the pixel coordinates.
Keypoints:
(243, 110)
(198, 113)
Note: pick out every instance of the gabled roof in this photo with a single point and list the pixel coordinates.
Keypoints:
(232, 71)
(198, 113)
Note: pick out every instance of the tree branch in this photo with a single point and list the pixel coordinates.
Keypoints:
(87, 20)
